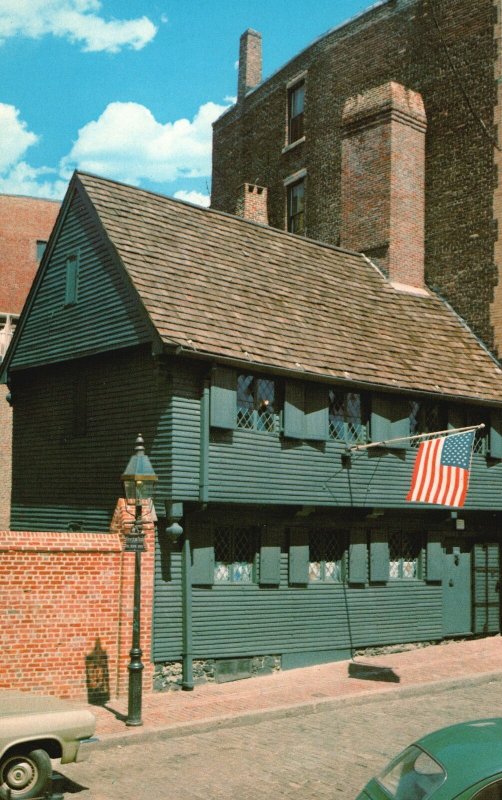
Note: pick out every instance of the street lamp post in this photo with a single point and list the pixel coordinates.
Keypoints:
(139, 481)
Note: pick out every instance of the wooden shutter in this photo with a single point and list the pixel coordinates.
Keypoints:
(358, 557)
(434, 563)
(496, 434)
(316, 412)
(223, 404)
(379, 557)
(201, 541)
(270, 555)
(390, 419)
(294, 409)
(298, 555)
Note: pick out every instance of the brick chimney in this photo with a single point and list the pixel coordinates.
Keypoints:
(383, 180)
(252, 203)
(249, 62)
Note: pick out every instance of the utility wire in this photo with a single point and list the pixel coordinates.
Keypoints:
(467, 98)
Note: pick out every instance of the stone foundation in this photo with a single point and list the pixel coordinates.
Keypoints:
(168, 676)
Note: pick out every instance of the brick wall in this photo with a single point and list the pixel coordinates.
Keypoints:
(397, 41)
(67, 603)
(23, 222)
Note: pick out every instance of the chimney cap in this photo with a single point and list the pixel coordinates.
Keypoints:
(387, 97)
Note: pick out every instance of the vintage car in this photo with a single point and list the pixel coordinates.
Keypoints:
(462, 761)
(34, 729)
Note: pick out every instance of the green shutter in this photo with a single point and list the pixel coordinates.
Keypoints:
(298, 555)
(390, 419)
(223, 404)
(496, 434)
(434, 564)
(270, 555)
(379, 557)
(294, 407)
(316, 412)
(202, 555)
(358, 557)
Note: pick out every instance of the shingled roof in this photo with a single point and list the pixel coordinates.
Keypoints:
(221, 286)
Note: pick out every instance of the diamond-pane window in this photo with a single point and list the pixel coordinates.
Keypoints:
(326, 555)
(404, 555)
(256, 403)
(235, 552)
(471, 415)
(347, 417)
(426, 417)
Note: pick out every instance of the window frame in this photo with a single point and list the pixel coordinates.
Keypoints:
(250, 419)
(340, 564)
(364, 407)
(294, 215)
(420, 567)
(296, 121)
(424, 409)
(233, 564)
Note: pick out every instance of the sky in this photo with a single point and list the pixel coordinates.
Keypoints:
(129, 89)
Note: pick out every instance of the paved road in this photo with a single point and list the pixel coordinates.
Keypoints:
(328, 754)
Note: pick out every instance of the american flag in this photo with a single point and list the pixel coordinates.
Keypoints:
(441, 472)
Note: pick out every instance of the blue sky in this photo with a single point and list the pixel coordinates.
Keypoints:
(129, 88)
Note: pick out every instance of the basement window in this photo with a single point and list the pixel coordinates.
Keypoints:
(296, 104)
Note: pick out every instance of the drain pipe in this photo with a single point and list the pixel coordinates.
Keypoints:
(174, 530)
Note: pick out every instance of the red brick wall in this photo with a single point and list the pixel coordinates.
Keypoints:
(397, 41)
(23, 221)
(67, 602)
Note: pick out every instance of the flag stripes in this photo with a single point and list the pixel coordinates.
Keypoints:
(441, 471)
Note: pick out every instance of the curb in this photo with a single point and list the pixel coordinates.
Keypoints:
(111, 740)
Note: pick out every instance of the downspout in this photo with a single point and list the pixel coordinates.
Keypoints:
(186, 595)
(204, 445)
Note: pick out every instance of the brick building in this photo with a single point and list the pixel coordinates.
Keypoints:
(25, 226)
(306, 134)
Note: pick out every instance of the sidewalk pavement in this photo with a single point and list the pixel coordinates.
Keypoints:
(294, 692)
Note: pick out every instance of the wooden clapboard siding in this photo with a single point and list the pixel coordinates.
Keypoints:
(107, 314)
(60, 478)
(232, 620)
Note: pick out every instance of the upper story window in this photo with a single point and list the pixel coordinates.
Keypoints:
(41, 245)
(348, 416)
(326, 555)
(296, 207)
(72, 270)
(475, 415)
(257, 406)
(426, 416)
(296, 103)
(235, 550)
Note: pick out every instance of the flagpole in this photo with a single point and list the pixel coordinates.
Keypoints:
(416, 436)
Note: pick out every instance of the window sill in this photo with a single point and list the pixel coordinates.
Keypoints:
(291, 146)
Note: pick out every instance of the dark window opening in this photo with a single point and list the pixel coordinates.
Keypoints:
(257, 406)
(405, 551)
(426, 417)
(348, 416)
(296, 208)
(326, 555)
(296, 103)
(41, 245)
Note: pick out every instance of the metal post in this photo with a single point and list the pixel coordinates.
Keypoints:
(136, 665)
(187, 683)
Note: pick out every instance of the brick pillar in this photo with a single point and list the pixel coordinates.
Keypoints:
(249, 62)
(252, 203)
(383, 180)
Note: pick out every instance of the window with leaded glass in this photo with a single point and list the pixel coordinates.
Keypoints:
(426, 417)
(296, 103)
(257, 403)
(326, 555)
(348, 416)
(405, 552)
(296, 207)
(235, 551)
(475, 415)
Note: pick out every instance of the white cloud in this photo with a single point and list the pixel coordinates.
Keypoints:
(27, 180)
(75, 20)
(129, 144)
(15, 138)
(197, 198)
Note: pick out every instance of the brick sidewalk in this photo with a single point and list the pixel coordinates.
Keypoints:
(302, 690)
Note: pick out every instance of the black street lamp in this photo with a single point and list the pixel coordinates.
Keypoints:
(139, 481)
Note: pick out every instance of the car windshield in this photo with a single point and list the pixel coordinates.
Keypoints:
(413, 775)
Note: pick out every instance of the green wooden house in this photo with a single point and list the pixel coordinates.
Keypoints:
(251, 360)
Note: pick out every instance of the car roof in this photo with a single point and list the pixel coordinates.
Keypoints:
(469, 752)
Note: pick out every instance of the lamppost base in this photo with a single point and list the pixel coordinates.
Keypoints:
(133, 723)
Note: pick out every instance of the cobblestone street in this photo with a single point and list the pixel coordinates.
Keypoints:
(327, 754)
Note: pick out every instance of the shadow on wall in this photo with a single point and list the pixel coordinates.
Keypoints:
(97, 677)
